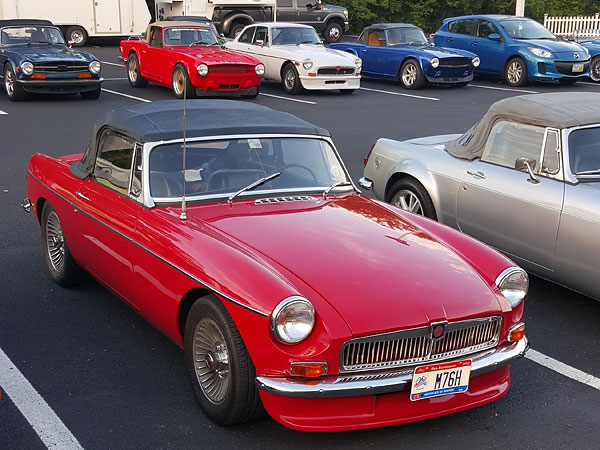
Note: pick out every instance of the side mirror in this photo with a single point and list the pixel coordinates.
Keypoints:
(494, 37)
(260, 42)
(527, 165)
(144, 35)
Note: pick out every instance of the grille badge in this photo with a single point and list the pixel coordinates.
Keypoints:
(576, 55)
(437, 330)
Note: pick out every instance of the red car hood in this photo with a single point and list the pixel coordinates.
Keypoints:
(379, 271)
(217, 55)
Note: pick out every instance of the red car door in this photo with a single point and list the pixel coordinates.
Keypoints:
(153, 64)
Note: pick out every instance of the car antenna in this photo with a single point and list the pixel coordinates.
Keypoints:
(183, 215)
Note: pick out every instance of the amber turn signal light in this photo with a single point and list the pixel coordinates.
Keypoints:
(38, 76)
(309, 369)
(85, 75)
(516, 333)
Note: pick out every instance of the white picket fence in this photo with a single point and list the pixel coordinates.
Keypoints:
(581, 26)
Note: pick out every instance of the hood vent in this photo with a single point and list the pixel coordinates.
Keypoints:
(297, 198)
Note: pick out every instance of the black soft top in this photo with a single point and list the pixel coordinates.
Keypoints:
(163, 121)
(20, 22)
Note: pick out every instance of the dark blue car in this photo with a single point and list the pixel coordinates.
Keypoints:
(593, 48)
(34, 58)
(401, 51)
(516, 48)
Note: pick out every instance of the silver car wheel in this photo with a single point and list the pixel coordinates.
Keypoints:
(595, 69)
(178, 81)
(514, 74)
(409, 75)
(9, 81)
(211, 360)
(408, 201)
(55, 241)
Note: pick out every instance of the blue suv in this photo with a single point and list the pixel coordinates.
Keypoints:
(516, 48)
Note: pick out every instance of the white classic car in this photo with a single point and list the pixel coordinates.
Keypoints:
(294, 55)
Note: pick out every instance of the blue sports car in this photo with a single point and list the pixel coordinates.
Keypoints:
(401, 51)
(34, 58)
(516, 48)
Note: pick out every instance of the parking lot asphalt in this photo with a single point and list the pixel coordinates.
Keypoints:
(116, 383)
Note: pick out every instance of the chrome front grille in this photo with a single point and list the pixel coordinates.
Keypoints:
(61, 67)
(417, 345)
(296, 198)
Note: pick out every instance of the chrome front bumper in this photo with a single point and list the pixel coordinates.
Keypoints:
(383, 382)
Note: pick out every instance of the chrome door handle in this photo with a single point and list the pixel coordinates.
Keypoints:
(474, 44)
(480, 175)
(79, 194)
(143, 51)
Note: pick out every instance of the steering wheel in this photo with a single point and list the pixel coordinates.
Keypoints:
(289, 166)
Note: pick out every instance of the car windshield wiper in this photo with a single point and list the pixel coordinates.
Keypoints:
(334, 185)
(253, 185)
(200, 43)
(38, 42)
(588, 172)
(308, 42)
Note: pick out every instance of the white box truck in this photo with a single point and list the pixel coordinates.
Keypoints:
(80, 19)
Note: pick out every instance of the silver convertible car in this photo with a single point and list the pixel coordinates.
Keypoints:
(525, 179)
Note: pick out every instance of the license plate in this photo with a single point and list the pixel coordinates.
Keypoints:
(440, 379)
(578, 67)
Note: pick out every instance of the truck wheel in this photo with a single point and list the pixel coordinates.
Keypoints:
(236, 29)
(291, 80)
(333, 32)
(134, 74)
(77, 35)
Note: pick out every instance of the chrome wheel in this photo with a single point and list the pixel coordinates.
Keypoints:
(132, 70)
(290, 79)
(55, 241)
(9, 81)
(514, 73)
(408, 201)
(178, 82)
(76, 36)
(211, 360)
(595, 69)
(334, 34)
(409, 75)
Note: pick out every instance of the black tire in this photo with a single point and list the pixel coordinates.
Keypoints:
(180, 76)
(92, 95)
(236, 29)
(411, 189)
(60, 264)
(76, 34)
(134, 74)
(14, 91)
(347, 91)
(291, 80)
(515, 73)
(254, 95)
(228, 392)
(568, 81)
(333, 32)
(411, 76)
(595, 69)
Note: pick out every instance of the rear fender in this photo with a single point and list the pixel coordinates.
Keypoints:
(413, 168)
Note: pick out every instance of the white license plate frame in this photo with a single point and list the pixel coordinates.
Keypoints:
(445, 378)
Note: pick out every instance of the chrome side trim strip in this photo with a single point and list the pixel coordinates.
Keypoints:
(382, 382)
(180, 270)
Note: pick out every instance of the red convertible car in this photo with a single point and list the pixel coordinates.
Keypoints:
(186, 55)
(251, 248)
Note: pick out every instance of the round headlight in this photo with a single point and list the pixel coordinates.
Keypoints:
(307, 64)
(293, 320)
(95, 67)
(260, 70)
(476, 61)
(202, 70)
(435, 63)
(358, 64)
(513, 283)
(27, 68)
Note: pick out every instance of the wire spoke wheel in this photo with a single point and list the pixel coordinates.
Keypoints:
(55, 242)
(409, 75)
(290, 80)
(595, 69)
(9, 81)
(211, 360)
(408, 201)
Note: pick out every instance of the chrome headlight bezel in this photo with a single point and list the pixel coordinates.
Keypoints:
(541, 53)
(202, 70)
(435, 62)
(513, 283)
(307, 64)
(476, 61)
(358, 64)
(279, 321)
(95, 67)
(26, 68)
(259, 70)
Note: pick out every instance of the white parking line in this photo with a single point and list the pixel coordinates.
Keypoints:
(563, 369)
(591, 84)
(290, 99)
(126, 95)
(2, 112)
(399, 93)
(113, 64)
(502, 89)
(51, 430)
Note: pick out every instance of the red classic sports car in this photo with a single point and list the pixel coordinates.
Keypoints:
(251, 248)
(187, 55)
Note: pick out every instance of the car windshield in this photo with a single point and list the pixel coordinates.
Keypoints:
(295, 36)
(186, 36)
(406, 36)
(217, 169)
(584, 152)
(30, 35)
(525, 29)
